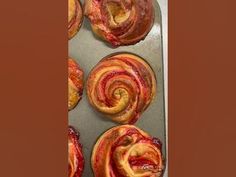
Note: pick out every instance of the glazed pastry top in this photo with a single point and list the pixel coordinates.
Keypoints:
(122, 22)
(127, 151)
(75, 83)
(75, 156)
(71, 9)
(121, 87)
(75, 16)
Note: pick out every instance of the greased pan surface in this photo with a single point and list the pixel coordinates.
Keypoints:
(88, 50)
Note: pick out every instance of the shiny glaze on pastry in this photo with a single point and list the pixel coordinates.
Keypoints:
(127, 151)
(120, 22)
(74, 17)
(75, 83)
(75, 156)
(121, 87)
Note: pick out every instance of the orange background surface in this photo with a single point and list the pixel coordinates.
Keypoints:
(33, 75)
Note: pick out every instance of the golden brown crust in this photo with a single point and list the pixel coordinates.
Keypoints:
(75, 17)
(75, 155)
(75, 83)
(121, 87)
(127, 151)
(122, 22)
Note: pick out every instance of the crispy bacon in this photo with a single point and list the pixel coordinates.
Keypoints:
(122, 87)
(127, 151)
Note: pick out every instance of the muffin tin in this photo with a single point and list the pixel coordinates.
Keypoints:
(88, 50)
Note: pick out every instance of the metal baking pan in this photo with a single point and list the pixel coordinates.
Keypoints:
(88, 50)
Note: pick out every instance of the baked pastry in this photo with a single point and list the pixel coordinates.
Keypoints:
(75, 156)
(75, 83)
(120, 22)
(121, 87)
(127, 151)
(75, 16)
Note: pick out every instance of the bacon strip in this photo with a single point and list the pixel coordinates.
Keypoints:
(127, 151)
(122, 87)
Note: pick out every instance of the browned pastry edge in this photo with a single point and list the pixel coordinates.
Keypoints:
(75, 23)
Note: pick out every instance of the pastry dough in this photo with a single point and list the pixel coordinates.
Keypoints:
(75, 83)
(120, 22)
(75, 15)
(75, 156)
(127, 151)
(121, 86)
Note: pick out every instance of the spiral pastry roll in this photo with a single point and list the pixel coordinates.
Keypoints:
(120, 22)
(75, 83)
(75, 156)
(74, 17)
(126, 151)
(121, 86)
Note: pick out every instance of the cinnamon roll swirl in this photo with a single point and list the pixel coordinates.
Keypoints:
(127, 151)
(121, 87)
(120, 22)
